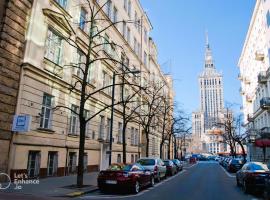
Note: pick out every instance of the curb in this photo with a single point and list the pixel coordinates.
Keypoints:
(80, 193)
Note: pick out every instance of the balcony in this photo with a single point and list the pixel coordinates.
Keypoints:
(265, 132)
(240, 77)
(241, 91)
(262, 78)
(249, 98)
(247, 81)
(259, 56)
(250, 118)
(265, 103)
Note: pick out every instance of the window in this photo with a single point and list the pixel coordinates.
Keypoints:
(72, 162)
(115, 13)
(268, 18)
(145, 58)
(118, 158)
(101, 127)
(46, 112)
(53, 47)
(132, 136)
(145, 35)
(136, 158)
(86, 114)
(128, 35)
(33, 163)
(120, 131)
(83, 16)
(62, 3)
(136, 19)
(108, 128)
(73, 123)
(132, 158)
(52, 163)
(124, 29)
(106, 44)
(109, 8)
(125, 5)
(107, 81)
(136, 137)
(129, 8)
(80, 62)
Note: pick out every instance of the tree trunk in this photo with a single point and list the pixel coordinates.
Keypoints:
(147, 145)
(169, 148)
(243, 150)
(161, 150)
(124, 144)
(81, 153)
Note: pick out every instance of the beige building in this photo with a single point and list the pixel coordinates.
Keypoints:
(50, 147)
(255, 82)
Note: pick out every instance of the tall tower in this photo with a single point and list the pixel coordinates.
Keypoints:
(211, 90)
(211, 105)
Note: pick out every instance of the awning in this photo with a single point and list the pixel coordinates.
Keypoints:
(262, 142)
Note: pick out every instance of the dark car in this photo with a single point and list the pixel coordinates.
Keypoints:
(171, 168)
(234, 165)
(252, 176)
(127, 177)
(266, 193)
(178, 164)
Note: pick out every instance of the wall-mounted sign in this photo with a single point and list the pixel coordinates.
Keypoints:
(21, 123)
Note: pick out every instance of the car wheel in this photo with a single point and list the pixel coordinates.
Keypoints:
(245, 187)
(237, 182)
(136, 188)
(152, 181)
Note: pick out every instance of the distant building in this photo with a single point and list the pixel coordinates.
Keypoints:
(211, 108)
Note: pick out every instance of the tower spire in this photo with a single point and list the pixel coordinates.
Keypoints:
(209, 63)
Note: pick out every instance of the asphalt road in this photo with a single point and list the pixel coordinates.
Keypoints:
(204, 181)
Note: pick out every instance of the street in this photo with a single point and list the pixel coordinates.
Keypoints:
(205, 180)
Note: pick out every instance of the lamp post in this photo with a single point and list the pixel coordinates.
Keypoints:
(112, 109)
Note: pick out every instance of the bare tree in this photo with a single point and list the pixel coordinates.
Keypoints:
(96, 48)
(151, 100)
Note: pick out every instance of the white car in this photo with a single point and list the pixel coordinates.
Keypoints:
(156, 165)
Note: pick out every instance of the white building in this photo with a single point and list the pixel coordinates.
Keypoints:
(255, 82)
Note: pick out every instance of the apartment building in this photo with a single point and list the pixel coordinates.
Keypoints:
(254, 76)
(50, 146)
(13, 25)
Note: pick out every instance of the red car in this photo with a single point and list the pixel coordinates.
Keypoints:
(125, 177)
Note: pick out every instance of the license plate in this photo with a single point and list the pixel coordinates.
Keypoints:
(111, 182)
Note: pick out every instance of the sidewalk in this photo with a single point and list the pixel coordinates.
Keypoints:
(57, 186)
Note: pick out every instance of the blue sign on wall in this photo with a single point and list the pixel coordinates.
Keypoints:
(21, 123)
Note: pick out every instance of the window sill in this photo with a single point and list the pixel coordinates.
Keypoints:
(53, 68)
(73, 135)
(45, 130)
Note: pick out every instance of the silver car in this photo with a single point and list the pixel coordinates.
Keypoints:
(156, 165)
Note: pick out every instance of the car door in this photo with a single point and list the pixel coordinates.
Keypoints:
(145, 175)
(162, 167)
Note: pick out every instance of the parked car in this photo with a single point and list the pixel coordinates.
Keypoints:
(128, 177)
(266, 192)
(234, 165)
(171, 167)
(178, 164)
(155, 165)
(252, 176)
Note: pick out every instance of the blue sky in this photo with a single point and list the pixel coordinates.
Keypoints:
(179, 32)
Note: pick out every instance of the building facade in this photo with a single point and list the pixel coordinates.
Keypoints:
(254, 76)
(50, 147)
(13, 25)
(211, 109)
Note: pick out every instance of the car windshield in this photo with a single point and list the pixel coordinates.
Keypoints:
(175, 161)
(237, 162)
(127, 167)
(116, 167)
(146, 162)
(166, 162)
(260, 167)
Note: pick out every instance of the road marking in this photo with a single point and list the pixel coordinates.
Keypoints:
(133, 195)
(228, 174)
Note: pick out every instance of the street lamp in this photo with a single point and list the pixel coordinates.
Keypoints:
(112, 108)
